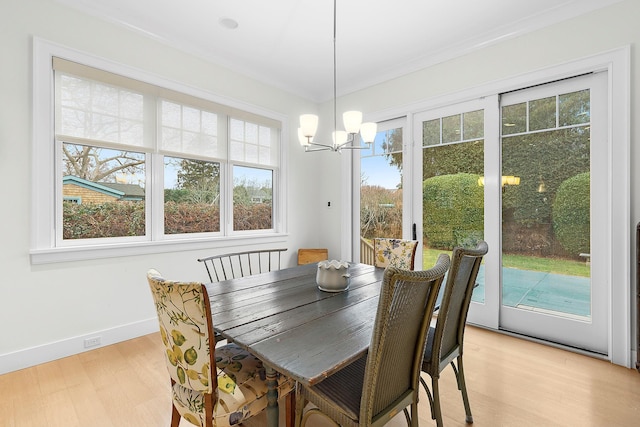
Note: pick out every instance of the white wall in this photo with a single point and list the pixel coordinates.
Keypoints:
(46, 310)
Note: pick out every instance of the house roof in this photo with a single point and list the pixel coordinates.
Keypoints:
(127, 189)
(120, 191)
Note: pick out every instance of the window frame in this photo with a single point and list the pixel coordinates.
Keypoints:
(47, 179)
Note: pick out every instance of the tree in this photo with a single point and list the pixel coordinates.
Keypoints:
(380, 212)
(201, 180)
(451, 159)
(197, 172)
(392, 147)
(247, 190)
(100, 164)
(548, 161)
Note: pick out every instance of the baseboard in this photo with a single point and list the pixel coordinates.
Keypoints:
(21, 359)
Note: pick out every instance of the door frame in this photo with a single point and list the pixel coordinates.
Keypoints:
(617, 64)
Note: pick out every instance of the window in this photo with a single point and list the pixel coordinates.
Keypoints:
(381, 186)
(135, 164)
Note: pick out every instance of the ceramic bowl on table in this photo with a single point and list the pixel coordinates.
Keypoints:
(333, 276)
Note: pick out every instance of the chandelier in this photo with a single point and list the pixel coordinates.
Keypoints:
(342, 139)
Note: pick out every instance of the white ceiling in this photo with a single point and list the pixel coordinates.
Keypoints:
(289, 43)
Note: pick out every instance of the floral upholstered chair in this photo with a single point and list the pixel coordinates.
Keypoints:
(394, 252)
(210, 386)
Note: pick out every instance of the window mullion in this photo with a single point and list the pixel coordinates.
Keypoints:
(154, 189)
(226, 196)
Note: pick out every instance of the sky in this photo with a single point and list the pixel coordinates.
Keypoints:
(376, 169)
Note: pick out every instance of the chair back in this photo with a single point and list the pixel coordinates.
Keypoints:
(452, 316)
(394, 252)
(309, 256)
(407, 301)
(185, 327)
(241, 264)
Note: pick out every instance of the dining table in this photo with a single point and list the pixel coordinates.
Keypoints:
(293, 327)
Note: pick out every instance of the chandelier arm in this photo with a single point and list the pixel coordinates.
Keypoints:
(351, 140)
(318, 147)
(353, 147)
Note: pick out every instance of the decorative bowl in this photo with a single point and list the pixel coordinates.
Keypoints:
(333, 276)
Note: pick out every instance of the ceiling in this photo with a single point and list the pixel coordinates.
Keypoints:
(289, 43)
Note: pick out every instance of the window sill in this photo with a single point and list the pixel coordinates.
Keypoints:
(83, 253)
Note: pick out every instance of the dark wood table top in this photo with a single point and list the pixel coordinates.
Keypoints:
(285, 320)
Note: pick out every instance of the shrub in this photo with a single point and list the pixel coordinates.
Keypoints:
(380, 212)
(571, 221)
(453, 210)
(117, 219)
(97, 220)
(191, 218)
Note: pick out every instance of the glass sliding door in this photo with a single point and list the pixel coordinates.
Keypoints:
(553, 161)
(536, 174)
(451, 181)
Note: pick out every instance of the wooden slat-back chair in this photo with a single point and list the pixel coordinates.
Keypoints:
(241, 264)
(311, 255)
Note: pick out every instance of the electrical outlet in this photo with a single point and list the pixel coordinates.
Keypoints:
(91, 342)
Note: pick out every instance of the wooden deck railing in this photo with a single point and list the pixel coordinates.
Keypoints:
(366, 251)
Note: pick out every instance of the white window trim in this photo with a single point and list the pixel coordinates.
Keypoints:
(43, 240)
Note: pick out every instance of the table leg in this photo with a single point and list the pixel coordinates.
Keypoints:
(272, 397)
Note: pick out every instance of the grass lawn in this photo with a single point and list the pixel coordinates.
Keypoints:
(557, 266)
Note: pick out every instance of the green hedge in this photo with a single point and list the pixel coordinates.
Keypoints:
(117, 219)
(453, 210)
(97, 220)
(571, 220)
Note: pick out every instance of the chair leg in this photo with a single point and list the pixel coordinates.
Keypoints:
(462, 386)
(300, 404)
(437, 412)
(175, 416)
(426, 388)
(290, 406)
(414, 414)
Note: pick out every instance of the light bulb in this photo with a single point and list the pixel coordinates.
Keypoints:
(368, 132)
(352, 121)
(309, 125)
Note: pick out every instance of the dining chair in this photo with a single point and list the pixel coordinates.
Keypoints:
(240, 264)
(396, 252)
(311, 255)
(445, 341)
(210, 386)
(372, 389)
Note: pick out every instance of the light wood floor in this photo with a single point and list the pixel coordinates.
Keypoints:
(512, 382)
